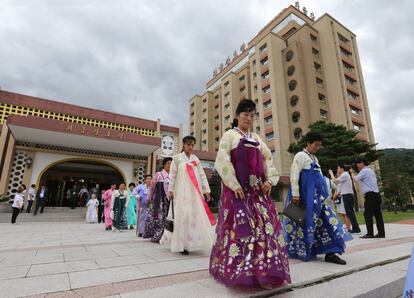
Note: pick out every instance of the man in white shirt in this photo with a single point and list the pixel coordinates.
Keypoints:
(17, 204)
(31, 197)
(347, 194)
(372, 206)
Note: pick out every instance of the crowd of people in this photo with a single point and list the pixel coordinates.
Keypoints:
(249, 244)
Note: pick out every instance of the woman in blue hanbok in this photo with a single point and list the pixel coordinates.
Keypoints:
(323, 233)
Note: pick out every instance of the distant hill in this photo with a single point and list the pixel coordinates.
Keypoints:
(397, 175)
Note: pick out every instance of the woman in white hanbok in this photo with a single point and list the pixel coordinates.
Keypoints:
(193, 220)
(92, 212)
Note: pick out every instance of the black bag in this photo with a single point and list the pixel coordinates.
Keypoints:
(338, 200)
(169, 222)
(296, 213)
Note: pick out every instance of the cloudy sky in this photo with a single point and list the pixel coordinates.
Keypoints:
(146, 58)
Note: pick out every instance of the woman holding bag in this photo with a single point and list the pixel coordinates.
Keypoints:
(250, 247)
(193, 219)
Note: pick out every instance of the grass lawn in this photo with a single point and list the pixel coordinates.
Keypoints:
(388, 216)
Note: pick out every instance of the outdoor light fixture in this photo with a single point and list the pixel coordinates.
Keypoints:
(28, 161)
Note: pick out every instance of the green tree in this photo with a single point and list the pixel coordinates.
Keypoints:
(397, 175)
(339, 146)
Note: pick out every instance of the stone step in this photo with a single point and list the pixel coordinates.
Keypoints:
(52, 214)
(376, 282)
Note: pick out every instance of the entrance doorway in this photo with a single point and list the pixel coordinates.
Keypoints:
(65, 178)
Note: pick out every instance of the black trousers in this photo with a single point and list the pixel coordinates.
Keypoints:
(373, 209)
(29, 205)
(73, 202)
(349, 201)
(40, 203)
(16, 212)
(100, 213)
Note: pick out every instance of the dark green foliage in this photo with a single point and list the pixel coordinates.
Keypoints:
(397, 176)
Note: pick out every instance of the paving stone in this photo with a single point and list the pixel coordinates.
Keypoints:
(103, 276)
(13, 272)
(34, 285)
(44, 269)
(170, 267)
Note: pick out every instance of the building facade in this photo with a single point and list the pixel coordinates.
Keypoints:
(298, 70)
(63, 146)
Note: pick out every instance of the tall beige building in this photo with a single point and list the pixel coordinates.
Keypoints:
(298, 70)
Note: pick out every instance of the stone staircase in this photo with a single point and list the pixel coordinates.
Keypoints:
(50, 214)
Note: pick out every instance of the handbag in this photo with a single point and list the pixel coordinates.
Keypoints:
(296, 213)
(338, 200)
(169, 221)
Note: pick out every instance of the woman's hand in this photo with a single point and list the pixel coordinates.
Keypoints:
(239, 193)
(296, 200)
(207, 194)
(170, 195)
(266, 188)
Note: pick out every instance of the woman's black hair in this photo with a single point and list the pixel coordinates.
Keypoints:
(131, 184)
(312, 137)
(344, 167)
(146, 176)
(188, 139)
(165, 160)
(245, 105)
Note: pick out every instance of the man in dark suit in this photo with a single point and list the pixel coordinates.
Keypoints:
(41, 198)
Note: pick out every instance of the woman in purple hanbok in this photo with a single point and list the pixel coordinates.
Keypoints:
(141, 191)
(157, 203)
(250, 247)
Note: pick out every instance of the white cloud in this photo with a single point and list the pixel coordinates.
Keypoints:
(147, 58)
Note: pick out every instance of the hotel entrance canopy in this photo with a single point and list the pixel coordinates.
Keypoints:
(75, 135)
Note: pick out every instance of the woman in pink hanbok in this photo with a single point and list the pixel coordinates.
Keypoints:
(250, 247)
(107, 198)
(193, 220)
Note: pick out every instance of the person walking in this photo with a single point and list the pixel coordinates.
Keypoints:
(17, 204)
(131, 209)
(372, 206)
(141, 192)
(119, 202)
(193, 219)
(92, 209)
(107, 198)
(31, 197)
(250, 248)
(24, 193)
(101, 216)
(41, 198)
(347, 194)
(323, 232)
(73, 197)
(157, 203)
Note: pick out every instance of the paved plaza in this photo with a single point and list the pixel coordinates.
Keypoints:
(75, 259)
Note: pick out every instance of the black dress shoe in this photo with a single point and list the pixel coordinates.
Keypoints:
(333, 258)
(367, 236)
(379, 236)
(355, 232)
(185, 252)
